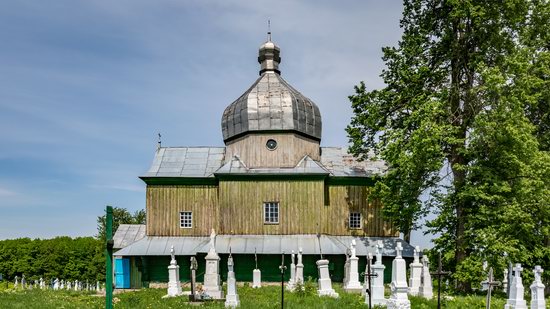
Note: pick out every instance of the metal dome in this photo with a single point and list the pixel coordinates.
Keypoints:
(271, 104)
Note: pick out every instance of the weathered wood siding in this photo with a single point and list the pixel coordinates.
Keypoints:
(291, 148)
(236, 207)
(241, 206)
(164, 204)
(343, 199)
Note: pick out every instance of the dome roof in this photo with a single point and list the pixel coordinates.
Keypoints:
(271, 104)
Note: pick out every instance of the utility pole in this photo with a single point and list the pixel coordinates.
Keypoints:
(109, 258)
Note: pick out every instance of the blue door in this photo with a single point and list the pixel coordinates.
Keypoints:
(122, 273)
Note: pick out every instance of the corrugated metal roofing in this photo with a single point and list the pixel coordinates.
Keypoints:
(127, 234)
(263, 244)
(204, 162)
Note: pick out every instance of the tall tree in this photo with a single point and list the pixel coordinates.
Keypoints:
(456, 122)
(120, 216)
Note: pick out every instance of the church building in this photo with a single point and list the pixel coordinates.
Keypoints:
(272, 189)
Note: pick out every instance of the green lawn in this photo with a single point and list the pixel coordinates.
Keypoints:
(267, 297)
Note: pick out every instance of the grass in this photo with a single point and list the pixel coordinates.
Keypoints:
(266, 297)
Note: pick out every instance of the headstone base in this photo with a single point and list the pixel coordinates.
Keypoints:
(256, 278)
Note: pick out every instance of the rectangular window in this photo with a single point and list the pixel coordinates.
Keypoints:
(271, 213)
(354, 220)
(186, 219)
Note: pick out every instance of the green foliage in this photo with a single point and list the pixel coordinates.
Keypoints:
(465, 120)
(120, 216)
(61, 257)
(308, 288)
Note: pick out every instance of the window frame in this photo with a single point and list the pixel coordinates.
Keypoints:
(265, 210)
(183, 219)
(359, 220)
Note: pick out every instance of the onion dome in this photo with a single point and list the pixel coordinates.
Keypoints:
(271, 104)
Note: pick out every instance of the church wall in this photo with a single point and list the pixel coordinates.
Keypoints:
(291, 148)
(164, 204)
(241, 206)
(343, 199)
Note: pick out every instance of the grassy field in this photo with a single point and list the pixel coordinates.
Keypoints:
(267, 297)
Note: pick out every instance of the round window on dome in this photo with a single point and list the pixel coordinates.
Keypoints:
(271, 144)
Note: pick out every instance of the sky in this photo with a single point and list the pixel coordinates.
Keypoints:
(86, 86)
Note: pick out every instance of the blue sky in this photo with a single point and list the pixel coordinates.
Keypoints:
(85, 86)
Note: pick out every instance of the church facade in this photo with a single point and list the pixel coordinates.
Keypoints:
(272, 189)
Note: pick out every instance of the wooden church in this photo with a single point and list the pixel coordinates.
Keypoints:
(271, 189)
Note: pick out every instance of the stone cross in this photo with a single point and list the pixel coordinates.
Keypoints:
(398, 250)
(515, 298)
(368, 276)
(232, 298)
(292, 281)
(16, 283)
(172, 254)
(537, 290)
(379, 248)
(415, 274)
(490, 285)
(299, 278)
(426, 288)
(439, 273)
(23, 281)
(193, 267)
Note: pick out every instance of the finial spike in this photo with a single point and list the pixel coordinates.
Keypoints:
(269, 30)
(159, 142)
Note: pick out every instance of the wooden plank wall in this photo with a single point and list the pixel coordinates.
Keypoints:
(241, 206)
(344, 199)
(291, 148)
(236, 207)
(164, 204)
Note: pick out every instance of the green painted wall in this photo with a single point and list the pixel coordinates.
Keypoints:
(154, 268)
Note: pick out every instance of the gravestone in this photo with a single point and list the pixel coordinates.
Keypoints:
(212, 281)
(399, 288)
(62, 285)
(56, 284)
(426, 287)
(378, 282)
(325, 283)
(257, 274)
(537, 290)
(346, 269)
(515, 299)
(232, 298)
(299, 269)
(76, 285)
(353, 285)
(16, 282)
(42, 284)
(23, 282)
(69, 285)
(416, 273)
(292, 281)
(174, 286)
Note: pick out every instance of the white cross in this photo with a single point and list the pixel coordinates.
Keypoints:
(517, 270)
(398, 249)
(538, 272)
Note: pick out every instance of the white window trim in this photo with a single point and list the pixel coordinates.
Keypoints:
(278, 213)
(181, 221)
(360, 220)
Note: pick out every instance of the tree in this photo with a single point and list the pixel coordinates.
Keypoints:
(461, 121)
(120, 216)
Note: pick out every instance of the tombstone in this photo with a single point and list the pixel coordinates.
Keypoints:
(426, 287)
(56, 284)
(346, 269)
(416, 273)
(16, 283)
(41, 283)
(97, 287)
(515, 299)
(399, 288)
(23, 282)
(174, 286)
(79, 288)
(212, 281)
(325, 283)
(353, 285)
(537, 290)
(69, 285)
(378, 282)
(62, 285)
(292, 281)
(299, 277)
(232, 298)
(76, 285)
(505, 281)
(256, 274)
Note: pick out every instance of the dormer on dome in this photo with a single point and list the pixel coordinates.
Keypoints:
(271, 104)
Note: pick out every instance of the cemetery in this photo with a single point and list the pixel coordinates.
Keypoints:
(273, 218)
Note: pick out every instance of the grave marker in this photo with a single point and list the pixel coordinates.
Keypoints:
(537, 290)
